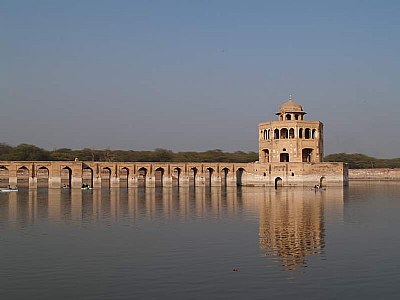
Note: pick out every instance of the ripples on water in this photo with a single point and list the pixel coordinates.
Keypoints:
(186, 243)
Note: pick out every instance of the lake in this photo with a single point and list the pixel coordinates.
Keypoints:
(201, 243)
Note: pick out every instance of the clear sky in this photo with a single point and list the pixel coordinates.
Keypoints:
(197, 75)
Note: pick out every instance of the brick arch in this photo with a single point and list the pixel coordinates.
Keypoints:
(123, 175)
(159, 173)
(4, 176)
(176, 175)
(240, 176)
(193, 172)
(224, 175)
(278, 182)
(209, 174)
(43, 176)
(66, 176)
(142, 173)
(87, 175)
(23, 175)
(105, 175)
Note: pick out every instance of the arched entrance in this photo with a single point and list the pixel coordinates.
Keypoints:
(141, 177)
(159, 175)
(224, 176)
(284, 133)
(105, 176)
(87, 176)
(276, 134)
(4, 176)
(192, 176)
(291, 133)
(42, 175)
(239, 176)
(23, 177)
(66, 177)
(300, 133)
(123, 177)
(209, 175)
(176, 174)
(278, 182)
(307, 133)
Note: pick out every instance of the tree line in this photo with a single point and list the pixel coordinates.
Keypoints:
(362, 161)
(27, 152)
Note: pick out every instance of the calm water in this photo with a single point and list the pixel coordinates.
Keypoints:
(249, 243)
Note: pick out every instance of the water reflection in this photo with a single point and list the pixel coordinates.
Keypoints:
(291, 221)
(292, 224)
(57, 205)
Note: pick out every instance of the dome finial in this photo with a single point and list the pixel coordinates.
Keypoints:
(290, 97)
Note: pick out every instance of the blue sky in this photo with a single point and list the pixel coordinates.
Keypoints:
(197, 75)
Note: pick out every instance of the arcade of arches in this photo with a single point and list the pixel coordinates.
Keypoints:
(101, 174)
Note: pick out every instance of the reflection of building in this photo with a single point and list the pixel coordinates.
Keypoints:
(292, 224)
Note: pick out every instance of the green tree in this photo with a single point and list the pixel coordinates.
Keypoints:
(160, 154)
(354, 160)
(63, 154)
(28, 152)
(4, 150)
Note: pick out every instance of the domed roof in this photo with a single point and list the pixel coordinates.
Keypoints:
(290, 106)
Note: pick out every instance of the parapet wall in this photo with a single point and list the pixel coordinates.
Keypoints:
(374, 174)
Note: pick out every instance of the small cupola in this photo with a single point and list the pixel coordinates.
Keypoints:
(290, 111)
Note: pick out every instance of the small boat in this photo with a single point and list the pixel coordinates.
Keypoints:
(318, 189)
(7, 190)
(86, 187)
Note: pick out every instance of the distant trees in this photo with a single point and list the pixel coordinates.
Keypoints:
(362, 161)
(62, 154)
(4, 150)
(25, 152)
(34, 153)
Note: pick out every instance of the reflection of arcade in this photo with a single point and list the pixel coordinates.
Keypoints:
(96, 205)
(292, 225)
